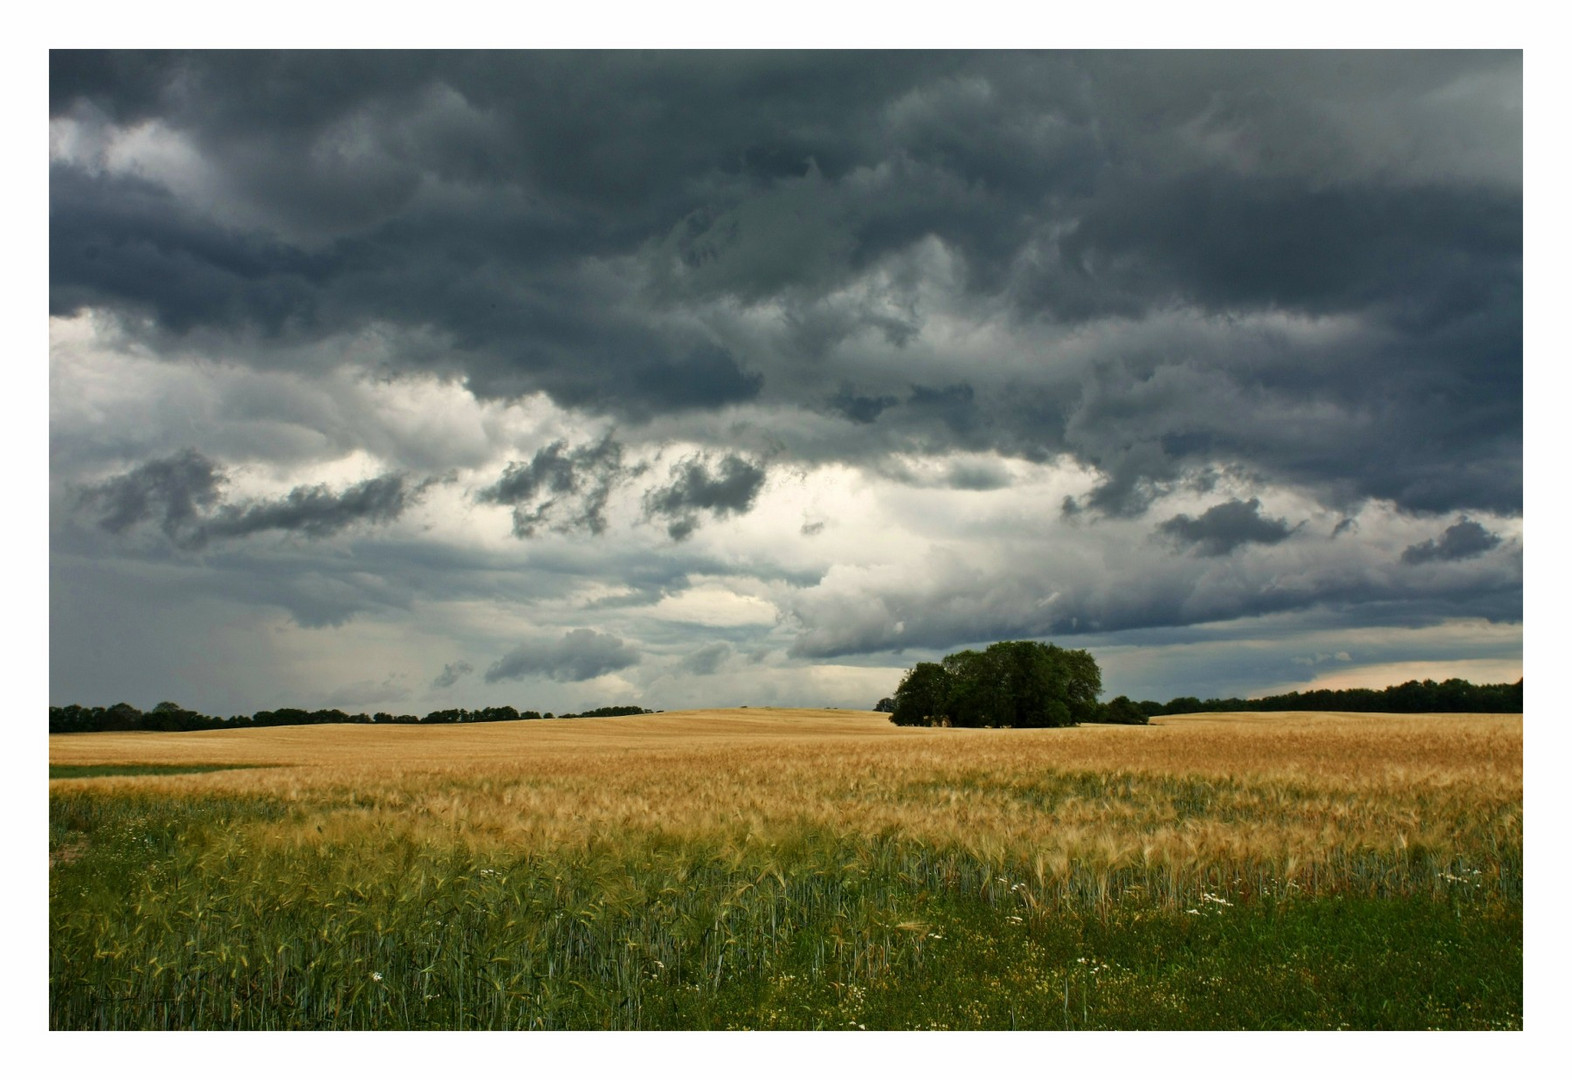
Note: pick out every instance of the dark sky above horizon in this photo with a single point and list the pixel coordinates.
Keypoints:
(405, 380)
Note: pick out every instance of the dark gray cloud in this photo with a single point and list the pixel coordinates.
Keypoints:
(953, 606)
(560, 489)
(487, 197)
(859, 408)
(708, 660)
(706, 378)
(317, 511)
(1225, 527)
(728, 487)
(1227, 242)
(955, 406)
(966, 476)
(1464, 540)
(173, 492)
(180, 494)
(452, 673)
(581, 654)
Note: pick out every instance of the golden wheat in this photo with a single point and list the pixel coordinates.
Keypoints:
(1276, 795)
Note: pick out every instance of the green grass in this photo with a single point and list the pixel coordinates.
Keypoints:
(179, 913)
(88, 772)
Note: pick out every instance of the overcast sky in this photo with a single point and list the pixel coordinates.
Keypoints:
(404, 381)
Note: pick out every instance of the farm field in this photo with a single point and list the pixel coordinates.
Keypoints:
(792, 869)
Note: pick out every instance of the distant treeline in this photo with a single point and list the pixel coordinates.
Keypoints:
(168, 716)
(1451, 696)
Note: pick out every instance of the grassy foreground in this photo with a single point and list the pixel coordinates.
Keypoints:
(795, 870)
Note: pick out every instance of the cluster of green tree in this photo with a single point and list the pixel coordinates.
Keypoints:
(1008, 684)
(168, 716)
(1453, 695)
(609, 710)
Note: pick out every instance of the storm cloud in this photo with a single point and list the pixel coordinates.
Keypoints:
(1225, 527)
(1464, 540)
(708, 660)
(580, 250)
(581, 654)
(560, 489)
(180, 494)
(452, 673)
(697, 484)
(858, 408)
(776, 357)
(316, 511)
(174, 492)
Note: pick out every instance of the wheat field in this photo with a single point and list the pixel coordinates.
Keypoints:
(1300, 787)
(772, 828)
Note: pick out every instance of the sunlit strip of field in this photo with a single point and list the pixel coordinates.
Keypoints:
(1321, 745)
(415, 746)
(1234, 786)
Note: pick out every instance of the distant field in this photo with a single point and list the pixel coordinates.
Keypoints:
(794, 868)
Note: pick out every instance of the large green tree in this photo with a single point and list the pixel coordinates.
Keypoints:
(1009, 684)
(1083, 683)
(923, 696)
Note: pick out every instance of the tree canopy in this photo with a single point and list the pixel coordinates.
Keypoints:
(1451, 696)
(1008, 684)
(169, 716)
